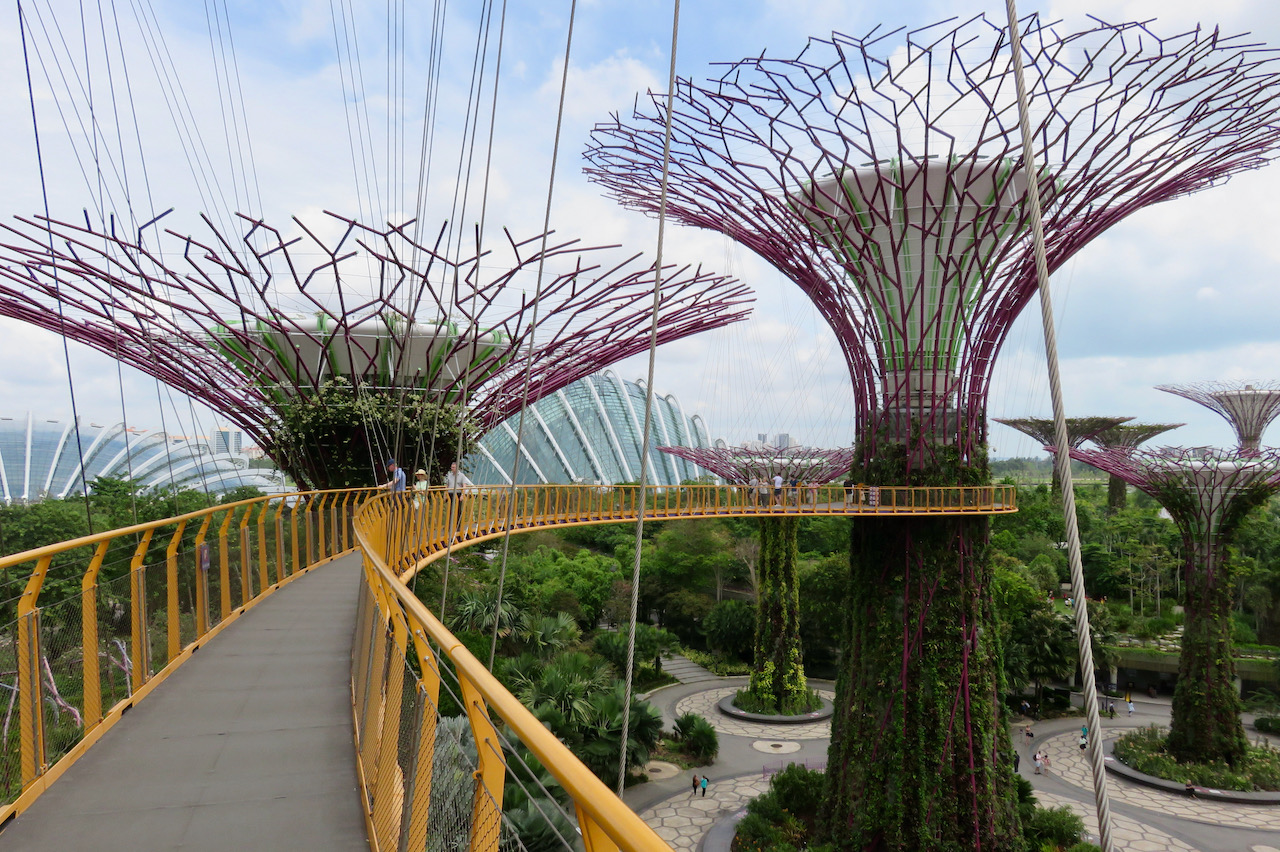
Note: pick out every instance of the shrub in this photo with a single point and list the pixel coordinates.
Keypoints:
(1267, 724)
(1159, 625)
(1053, 827)
(1242, 633)
(731, 628)
(1144, 750)
(782, 819)
(701, 742)
(799, 789)
(683, 724)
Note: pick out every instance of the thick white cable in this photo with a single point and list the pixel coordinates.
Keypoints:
(533, 328)
(1062, 458)
(648, 400)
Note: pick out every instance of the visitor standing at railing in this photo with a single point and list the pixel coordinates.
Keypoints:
(395, 478)
(420, 486)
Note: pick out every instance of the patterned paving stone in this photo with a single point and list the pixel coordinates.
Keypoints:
(704, 704)
(683, 819)
(1128, 834)
(1070, 764)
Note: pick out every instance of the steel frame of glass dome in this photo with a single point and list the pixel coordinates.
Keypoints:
(919, 261)
(162, 302)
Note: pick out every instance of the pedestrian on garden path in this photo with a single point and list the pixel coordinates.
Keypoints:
(1026, 731)
(1039, 759)
(695, 784)
(704, 786)
(1131, 708)
(1084, 739)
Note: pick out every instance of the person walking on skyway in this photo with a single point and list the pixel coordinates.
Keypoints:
(455, 485)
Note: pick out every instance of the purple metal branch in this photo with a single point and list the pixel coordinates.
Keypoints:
(883, 182)
(1248, 408)
(1129, 435)
(1079, 429)
(245, 324)
(737, 465)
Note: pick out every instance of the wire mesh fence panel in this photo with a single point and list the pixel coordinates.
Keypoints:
(156, 585)
(115, 658)
(452, 786)
(61, 675)
(188, 578)
(395, 763)
(10, 740)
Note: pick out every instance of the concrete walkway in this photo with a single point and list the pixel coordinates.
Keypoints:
(248, 745)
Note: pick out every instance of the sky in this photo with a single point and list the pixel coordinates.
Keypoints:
(263, 121)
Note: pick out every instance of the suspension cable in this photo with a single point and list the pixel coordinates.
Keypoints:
(1062, 458)
(648, 401)
(44, 193)
(533, 323)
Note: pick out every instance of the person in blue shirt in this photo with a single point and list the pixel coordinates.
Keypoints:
(395, 481)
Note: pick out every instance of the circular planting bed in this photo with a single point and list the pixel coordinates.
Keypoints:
(727, 707)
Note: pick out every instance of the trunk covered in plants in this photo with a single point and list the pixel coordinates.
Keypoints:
(1206, 722)
(1117, 494)
(919, 752)
(777, 678)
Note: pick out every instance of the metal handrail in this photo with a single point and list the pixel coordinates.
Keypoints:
(37, 686)
(399, 534)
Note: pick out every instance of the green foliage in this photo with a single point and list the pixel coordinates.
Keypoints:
(1267, 724)
(1147, 750)
(338, 436)
(717, 664)
(784, 816)
(699, 740)
(1052, 828)
(730, 627)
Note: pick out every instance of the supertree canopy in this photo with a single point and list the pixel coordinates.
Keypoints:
(737, 465)
(1121, 437)
(255, 324)
(1248, 408)
(1208, 492)
(1079, 430)
(882, 176)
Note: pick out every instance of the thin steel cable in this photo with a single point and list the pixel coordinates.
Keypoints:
(533, 321)
(44, 192)
(648, 401)
(1062, 459)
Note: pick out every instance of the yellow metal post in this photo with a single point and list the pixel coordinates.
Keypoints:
(486, 803)
(293, 535)
(311, 544)
(346, 522)
(202, 578)
(246, 581)
(320, 524)
(30, 717)
(282, 568)
(89, 637)
(264, 580)
(172, 618)
(140, 653)
(224, 564)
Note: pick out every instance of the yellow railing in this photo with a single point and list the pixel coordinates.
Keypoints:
(396, 695)
(101, 620)
(432, 520)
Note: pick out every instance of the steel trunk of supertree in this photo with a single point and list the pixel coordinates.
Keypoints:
(1208, 492)
(1126, 436)
(878, 179)
(1079, 430)
(778, 683)
(362, 352)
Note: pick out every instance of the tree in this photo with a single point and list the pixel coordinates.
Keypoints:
(338, 436)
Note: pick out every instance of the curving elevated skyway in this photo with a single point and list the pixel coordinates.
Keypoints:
(284, 733)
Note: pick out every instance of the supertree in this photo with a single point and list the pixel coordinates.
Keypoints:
(1125, 436)
(1079, 430)
(882, 179)
(1248, 408)
(778, 683)
(379, 335)
(1208, 492)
